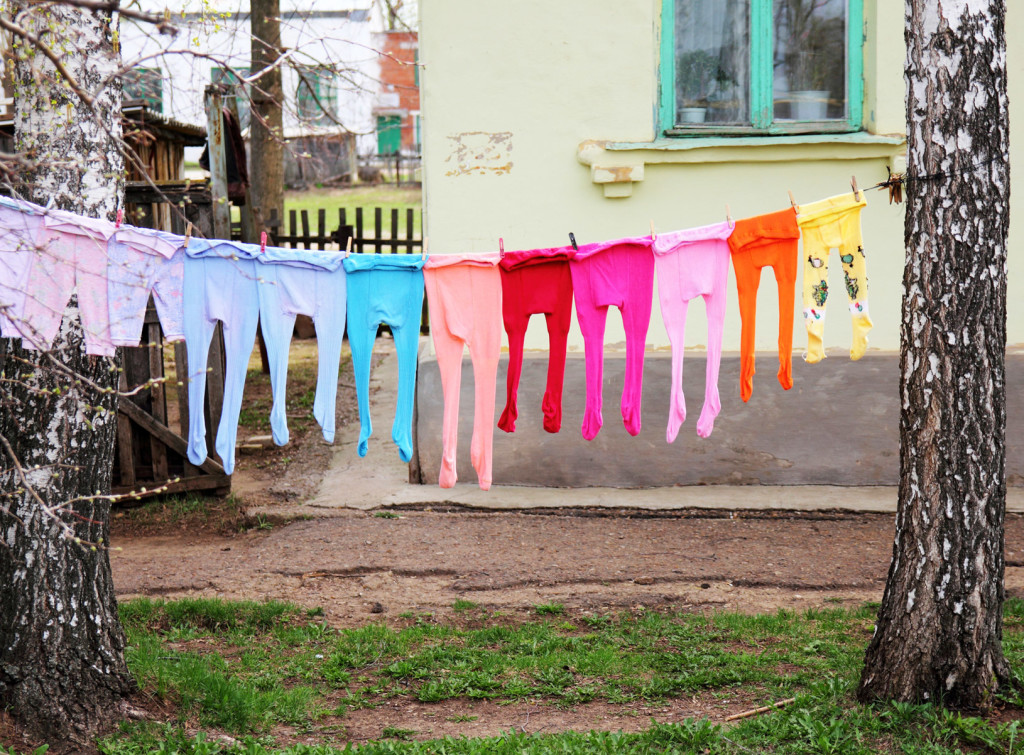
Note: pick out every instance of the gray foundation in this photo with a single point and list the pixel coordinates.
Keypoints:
(838, 425)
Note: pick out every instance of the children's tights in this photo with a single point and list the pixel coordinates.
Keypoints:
(543, 288)
(620, 274)
(218, 288)
(385, 289)
(465, 310)
(759, 242)
(834, 223)
(693, 263)
(286, 291)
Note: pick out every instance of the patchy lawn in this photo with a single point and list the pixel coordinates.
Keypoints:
(221, 676)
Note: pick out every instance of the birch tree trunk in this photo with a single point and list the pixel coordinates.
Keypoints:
(266, 142)
(939, 630)
(62, 669)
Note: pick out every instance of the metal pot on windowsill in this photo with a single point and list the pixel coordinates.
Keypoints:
(809, 104)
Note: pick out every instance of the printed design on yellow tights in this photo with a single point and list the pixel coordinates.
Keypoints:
(821, 293)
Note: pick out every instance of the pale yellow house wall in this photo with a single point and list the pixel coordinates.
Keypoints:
(511, 90)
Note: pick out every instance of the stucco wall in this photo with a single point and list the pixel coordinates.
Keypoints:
(511, 90)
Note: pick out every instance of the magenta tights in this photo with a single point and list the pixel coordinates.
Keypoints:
(616, 273)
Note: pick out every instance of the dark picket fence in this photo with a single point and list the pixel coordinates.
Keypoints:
(376, 238)
(366, 239)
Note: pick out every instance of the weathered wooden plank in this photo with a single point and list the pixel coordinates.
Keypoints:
(218, 162)
(157, 399)
(125, 457)
(214, 388)
(378, 230)
(163, 433)
(321, 226)
(181, 372)
(219, 483)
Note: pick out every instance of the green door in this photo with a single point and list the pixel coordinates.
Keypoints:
(389, 134)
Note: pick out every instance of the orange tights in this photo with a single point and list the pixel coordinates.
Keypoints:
(758, 242)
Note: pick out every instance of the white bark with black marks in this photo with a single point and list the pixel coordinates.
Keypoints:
(62, 669)
(939, 631)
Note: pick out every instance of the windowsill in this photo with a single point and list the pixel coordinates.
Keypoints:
(618, 165)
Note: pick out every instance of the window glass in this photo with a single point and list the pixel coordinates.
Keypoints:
(809, 59)
(145, 85)
(712, 61)
(762, 66)
(317, 96)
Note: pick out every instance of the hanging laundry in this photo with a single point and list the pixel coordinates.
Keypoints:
(140, 262)
(220, 284)
(464, 298)
(765, 241)
(827, 224)
(385, 288)
(21, 227)
(536, 282)
(307, 282)
(614, 273)
(73, 255)
(693, 263)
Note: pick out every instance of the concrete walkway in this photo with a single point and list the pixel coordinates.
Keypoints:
(380, 479)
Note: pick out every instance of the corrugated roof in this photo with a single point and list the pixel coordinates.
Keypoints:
(138, 112)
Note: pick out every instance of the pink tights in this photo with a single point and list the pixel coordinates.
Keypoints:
(464, 297)
(693, 263)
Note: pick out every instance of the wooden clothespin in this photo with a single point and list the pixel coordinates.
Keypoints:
(792, 200)
(426, 245)
(572, 240)
(501, 247)
(188, 233)
(263, 242)
(348, 247)
(728, 215)
(856, 191)
(653, 237)
(120, 218)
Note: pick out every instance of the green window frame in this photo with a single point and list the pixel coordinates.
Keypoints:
(762, 116)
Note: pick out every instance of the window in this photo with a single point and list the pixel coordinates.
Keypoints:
(761, 66)
(231, 76)
(317, 96)
(145, 85)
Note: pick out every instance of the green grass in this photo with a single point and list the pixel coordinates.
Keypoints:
(251, 668)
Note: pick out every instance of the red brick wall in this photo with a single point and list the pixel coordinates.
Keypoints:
(398, 74)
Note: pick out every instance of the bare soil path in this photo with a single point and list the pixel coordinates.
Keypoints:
(358, 565)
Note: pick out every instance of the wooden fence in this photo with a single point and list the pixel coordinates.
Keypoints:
(376, 238)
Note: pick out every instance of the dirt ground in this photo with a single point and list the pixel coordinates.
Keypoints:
(361, 567)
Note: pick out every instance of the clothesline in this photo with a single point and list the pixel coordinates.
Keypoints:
(46, 254)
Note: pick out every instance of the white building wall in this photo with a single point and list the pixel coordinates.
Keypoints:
(311, 36)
